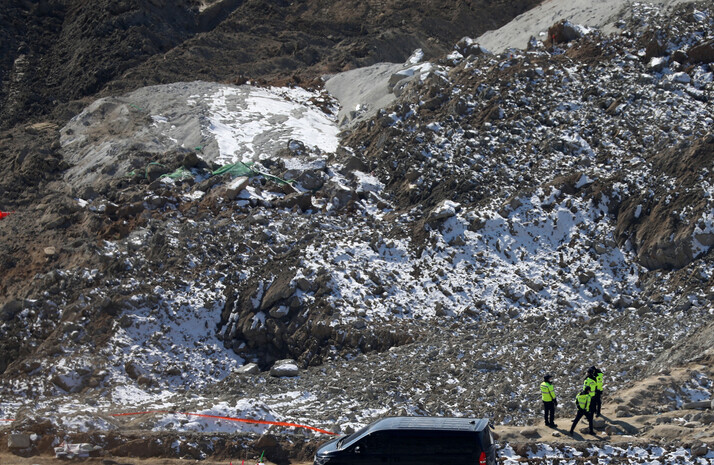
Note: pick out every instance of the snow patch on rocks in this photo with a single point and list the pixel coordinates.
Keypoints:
(222, 123)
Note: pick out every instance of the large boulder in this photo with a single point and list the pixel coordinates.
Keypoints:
(702, 53)
(339, 194)
(701, 405)
(445, 209)
(669, 432)
(234, 187)
(287, 367)
(281, 288)
(18, 441)
(248, 369)
(531, 433)
(468, 47)
(10, 309)
(698, 341)
(563, 31)
(311, 180)
(301, 201)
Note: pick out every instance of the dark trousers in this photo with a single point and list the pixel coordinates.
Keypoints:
(596, 403)
(549, 409)
(586, 414)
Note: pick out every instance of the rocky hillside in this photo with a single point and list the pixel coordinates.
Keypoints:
(55, 53)
(221, 250)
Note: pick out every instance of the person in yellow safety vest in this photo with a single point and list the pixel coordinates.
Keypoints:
(591, 383)
(597, 398)
(582, 402)
(549, 401)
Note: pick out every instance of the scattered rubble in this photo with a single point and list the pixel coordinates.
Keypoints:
(509, 214)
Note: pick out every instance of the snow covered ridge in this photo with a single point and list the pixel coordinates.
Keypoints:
(224, 124)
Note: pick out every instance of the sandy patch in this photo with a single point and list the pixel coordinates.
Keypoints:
(535, 22)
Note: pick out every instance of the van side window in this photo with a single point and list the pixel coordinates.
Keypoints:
(403, 444)
(451, 443)
(373, 443)
(431, 443)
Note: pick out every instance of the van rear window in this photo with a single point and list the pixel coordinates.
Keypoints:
(487, 438)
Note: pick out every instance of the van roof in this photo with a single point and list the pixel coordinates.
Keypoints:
(429, 423)
(475, 425)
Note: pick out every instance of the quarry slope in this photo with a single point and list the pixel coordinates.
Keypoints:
(508, 215)
(57, 55)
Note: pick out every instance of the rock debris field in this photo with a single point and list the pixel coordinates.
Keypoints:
(233, 251)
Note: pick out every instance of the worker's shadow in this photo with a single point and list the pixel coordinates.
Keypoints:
(582, 437)
(625, 426)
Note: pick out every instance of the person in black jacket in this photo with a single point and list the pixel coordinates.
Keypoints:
(582, 402)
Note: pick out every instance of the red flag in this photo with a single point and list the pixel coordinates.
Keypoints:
(4, 214)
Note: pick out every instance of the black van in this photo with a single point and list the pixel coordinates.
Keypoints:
(413, 441)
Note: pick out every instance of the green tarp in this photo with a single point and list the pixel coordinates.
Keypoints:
(237, 169)
(179, 174)
(234, 169)
(245, 169)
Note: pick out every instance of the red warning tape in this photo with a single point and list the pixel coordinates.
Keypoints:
(4, 419)
(242, 420)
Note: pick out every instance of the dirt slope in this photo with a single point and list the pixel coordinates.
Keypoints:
(659, 420)
(57, 51)
(664, 424)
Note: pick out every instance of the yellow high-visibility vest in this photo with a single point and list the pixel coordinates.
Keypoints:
(592, 384)
(583, 401)
(547, 392)
(599, 381)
